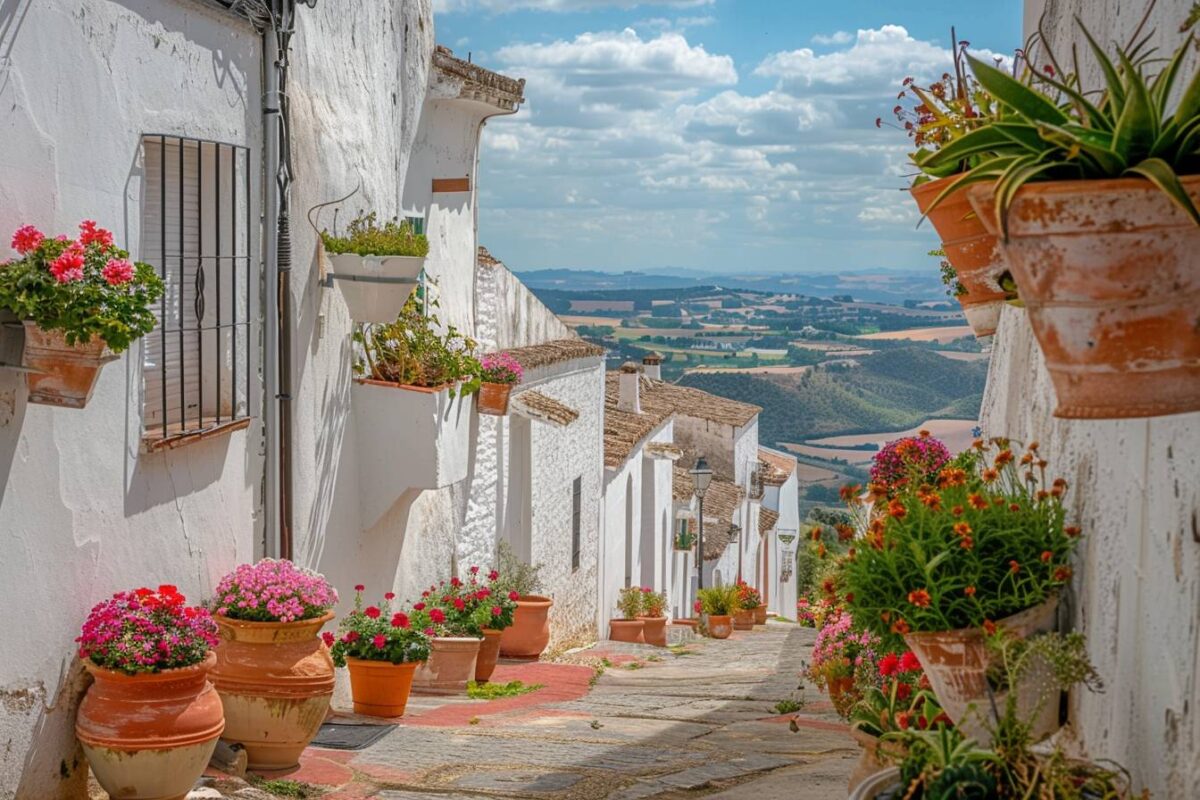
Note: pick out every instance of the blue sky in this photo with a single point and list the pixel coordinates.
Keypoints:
(727, 135)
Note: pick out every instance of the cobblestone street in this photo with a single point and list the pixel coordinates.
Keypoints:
(697, 720)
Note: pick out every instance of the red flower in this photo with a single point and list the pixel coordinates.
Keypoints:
(900, 627)
(474, 570)
(117, 272)
(909, 662)
(379, 641)
(389, 596)
(359, 587)
(1062, 574)
(372, 612)
(399, 620)
(90, 234)
(327, 638)
(459, 604)
(1072, 531)
(903, 691)
(436, 615)
(989, 627)
(919, 598)
(977, 501)
(68, 267)
(430, 631)
(26, 239)
(903, 720)
(969, 591)
(1046, 556)
(493, 575)
(497, 611)
(1014, 567)
(483, 593)
(352, 636)
(455, 582)
(514, 596)
(418, 606)
(889, 665)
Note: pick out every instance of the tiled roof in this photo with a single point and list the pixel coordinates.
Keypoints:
(766, 519)
(777, 467)
(664, 450)
(623, 431)
(485, 258)
(670, 398)
(540, 407)
(721, 501)
(479, 83)
(554, 352)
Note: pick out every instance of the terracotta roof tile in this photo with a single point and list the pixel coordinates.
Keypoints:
(671, 398)
(540, 407)
(721, 502)
(776, 467)
(480, 83)
(767, 519)
(554, 352)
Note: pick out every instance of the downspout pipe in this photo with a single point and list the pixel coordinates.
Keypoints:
(270, 226)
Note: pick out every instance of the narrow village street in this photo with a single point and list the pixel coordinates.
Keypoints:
(695, 720)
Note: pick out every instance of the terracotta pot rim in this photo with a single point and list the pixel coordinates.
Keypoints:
(1078, 185)
(652, 616)
(535, 600)
(175, 673)
(976, 633)
(501, 385)
(264, 625)
(487, 632)
(626, 621)
(366, 663)
(405, 386)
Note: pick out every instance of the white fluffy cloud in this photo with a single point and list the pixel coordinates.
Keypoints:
(837, 37)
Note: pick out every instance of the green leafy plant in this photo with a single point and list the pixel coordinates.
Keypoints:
(1054, 129)
(900, 701)
(629, 602)
(365, 237)
(719, 600)
(377, 633)
(85, 287)
(412, 351)
(748, 597)
(788, 706)
(282, 787)
(515, 574)
(494, 691)
(654, 604)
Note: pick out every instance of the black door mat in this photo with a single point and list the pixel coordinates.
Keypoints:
(340, 736)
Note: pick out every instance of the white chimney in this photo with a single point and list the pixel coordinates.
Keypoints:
(652, 366)
(629, 380)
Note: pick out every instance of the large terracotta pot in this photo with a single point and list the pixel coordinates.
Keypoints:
(876, 755)
(493, 399)
(489, 653)
(720, 626)
(149, 736)
(971, 249)
(760, 614)
(1108, 272)
(380, 688)
(529, 634)
(956, 664)
(654, 630)
(275, 680)
(65, 374)
(627, 630)
(842, 694)
(743, 619)
(450, 667)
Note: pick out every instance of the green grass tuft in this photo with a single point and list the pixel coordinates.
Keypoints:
(492, 691)
(281, 787)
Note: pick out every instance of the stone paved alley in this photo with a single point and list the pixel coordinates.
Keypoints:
(694, 721)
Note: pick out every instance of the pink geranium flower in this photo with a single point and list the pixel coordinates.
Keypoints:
(117, 272)
(68, 267)
(89, 233)
(26, 239)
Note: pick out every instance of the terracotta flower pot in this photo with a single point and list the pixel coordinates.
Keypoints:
(760, 614)
(743, 619)
(380, 688)
(66, 374)
(529, 634)
(149, 736)
(842, 694)
(1107, 270)
(627, 630)
(876, 755)
(654, 630)
(688, 621)
(450, 666)
(275, 680)
(489, 653)
(720, 626)
(956, 664)
(971, 249)
(493, 398)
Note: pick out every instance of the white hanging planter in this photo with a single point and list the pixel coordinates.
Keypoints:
(375, 288)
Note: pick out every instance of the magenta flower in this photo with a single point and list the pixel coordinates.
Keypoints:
(26, 239)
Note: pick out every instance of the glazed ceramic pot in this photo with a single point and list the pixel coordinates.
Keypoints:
(874, 786)
(450, 667)
(971, 249)
(627, 630)
(65, 374)
(760, 615)
(380, 688)
(877, 755)
(150, 736)
(743, 619)
(529, 634)
(654, 630)
(275, 680)
(720, 626)
(489, 654)
(1107, 270)
(493, 399)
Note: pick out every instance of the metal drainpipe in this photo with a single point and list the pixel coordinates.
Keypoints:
(271, 125)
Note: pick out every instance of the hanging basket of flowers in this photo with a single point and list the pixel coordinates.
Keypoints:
(376, 267)
(82, 303)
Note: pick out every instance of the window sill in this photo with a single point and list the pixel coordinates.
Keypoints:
(154, 443)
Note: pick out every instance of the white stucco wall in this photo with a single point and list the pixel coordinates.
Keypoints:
(784, 500)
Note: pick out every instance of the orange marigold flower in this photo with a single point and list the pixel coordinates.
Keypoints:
(977, 501)
(896, 509)
(900, 627)
(969, 591)
(886, 616)
(821, 550)
(1003, 457)
(1033, 447)
(1072, 531)
(924, 434)
(962, 529)
(933, 500)
(845, 532)
(1046, 556)
(1027, 458)
(957, 511)
(997, 501)
(1062, 574)
(952, 476)
(849, 492)
(966, 543)
(919, 598)
(989, 627)
(1014, 567)
(977, 444)
(815, 533)
(1014, 507)
(990, 475)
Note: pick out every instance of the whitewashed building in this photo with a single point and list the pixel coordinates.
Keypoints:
(779, 525)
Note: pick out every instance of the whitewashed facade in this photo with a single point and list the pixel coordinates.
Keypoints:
(781, 497)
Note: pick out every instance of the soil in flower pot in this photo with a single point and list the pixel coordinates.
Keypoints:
(450, 667)
(971, 249)
(380, 688)
(760, 614)
(150, 736)
(1107, 271)
(654, 630)
(743, 619)
(65, 374)
(493, 398)
(720, 626)
(626, 630)
(489, 654)
(529, 634)
(275, 680)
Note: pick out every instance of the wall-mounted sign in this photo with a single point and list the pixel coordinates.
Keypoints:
(441, 185)
(787, 538)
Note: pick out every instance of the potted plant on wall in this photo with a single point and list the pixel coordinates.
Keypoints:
(628, 627)
(529, 633)
(452, 611)
(718, 603)
(499, 372)
(377, 266)
(82, 302)
(273, 673)
(653, 616)
(150, 720)
(1095, 199)
(747, 606)
(501, 607)
(382, 650)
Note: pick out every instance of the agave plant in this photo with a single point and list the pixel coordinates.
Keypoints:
(1061, 134)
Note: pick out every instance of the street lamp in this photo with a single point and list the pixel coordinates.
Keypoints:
(701, 478)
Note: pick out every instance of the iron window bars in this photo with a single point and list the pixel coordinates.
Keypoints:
(196, 230)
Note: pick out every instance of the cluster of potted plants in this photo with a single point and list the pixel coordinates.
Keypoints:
(751, 610)
(718, 604)
(81, 302)
(643, 617)
(1089, 197)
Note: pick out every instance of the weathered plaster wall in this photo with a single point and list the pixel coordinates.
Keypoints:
(82, 513)
(1135, 491)
(526, 320)
(785, 500)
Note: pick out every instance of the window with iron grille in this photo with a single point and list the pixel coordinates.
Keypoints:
(196, 230)
(576, 522)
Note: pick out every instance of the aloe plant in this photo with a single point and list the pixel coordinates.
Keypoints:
(1058, 133)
